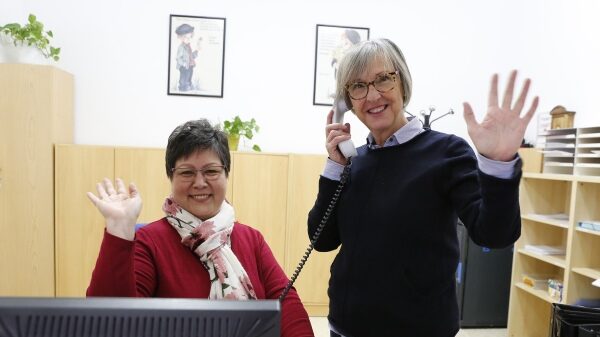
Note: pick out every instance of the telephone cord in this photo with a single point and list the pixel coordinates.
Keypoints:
(311, 246)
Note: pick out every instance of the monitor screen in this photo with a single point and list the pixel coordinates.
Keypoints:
(133, 317)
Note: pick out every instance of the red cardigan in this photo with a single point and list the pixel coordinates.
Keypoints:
(156, 264)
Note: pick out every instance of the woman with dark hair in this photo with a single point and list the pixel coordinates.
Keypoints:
(197, 250)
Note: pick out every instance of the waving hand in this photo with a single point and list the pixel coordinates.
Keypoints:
(120, 208)
(499, 135)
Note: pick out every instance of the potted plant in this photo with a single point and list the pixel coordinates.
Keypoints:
(31, 34)
(236, 128)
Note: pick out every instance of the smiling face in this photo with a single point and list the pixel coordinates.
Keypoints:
(382, 113)
(199, 196)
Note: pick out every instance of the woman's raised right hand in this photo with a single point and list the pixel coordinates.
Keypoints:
(120, 208)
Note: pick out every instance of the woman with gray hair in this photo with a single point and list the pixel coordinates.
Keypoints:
(395, 219)
(197, 250)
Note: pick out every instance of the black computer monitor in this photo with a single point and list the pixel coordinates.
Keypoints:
(137, 317)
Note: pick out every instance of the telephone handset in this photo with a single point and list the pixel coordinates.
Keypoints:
(346, 147)
(348, 150)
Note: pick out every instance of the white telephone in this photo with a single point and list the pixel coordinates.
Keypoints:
(346, 147)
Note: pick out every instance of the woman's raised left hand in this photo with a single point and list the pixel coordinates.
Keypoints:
(500, 134)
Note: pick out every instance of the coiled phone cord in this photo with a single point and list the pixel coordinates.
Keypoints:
(311, 246)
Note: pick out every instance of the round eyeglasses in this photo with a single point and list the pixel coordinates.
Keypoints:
(382, 83)
(188, 174)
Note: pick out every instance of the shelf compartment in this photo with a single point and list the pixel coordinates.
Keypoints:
(548, 195)
(586, 201)
(556, 260)
(593, 273)
(585, 249)
(541, 294)
(531, 317)
(541, 218)
(580, 287)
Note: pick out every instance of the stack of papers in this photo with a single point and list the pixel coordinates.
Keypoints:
(590, 224)
(555, 145)
(557, 153)
(545, 250)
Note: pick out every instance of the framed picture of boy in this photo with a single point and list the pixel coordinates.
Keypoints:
(196, 56)
(332, 43)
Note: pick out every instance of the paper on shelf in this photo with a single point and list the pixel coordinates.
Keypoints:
(590, 224)
(596, 283)
(557, 153)
(545, 250)
(552, 145)
(554, 216)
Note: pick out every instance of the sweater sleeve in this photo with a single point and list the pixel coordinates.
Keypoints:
(329, 238)
(488, 206)
(294, 319)
(123, 269)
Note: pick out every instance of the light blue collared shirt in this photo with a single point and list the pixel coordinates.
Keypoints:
(498, 169)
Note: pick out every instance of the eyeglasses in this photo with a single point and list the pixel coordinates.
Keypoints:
(188, 174)
(382, 83)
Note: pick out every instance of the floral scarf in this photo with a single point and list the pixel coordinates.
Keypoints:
(211, 241)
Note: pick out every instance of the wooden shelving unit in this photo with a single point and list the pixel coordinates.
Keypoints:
(552, 205)
(36, 111)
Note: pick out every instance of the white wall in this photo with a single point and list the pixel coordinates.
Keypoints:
(118, 52)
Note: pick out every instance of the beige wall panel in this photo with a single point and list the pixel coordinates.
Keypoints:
(79, 225)
(146, 168)
(36, 111)
(260, 196)
(303, 183)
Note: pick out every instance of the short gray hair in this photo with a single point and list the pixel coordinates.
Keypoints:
(358, 58)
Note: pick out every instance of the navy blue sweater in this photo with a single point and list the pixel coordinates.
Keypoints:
(396, 223)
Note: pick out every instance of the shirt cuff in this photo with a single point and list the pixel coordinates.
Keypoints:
(333, 170)
(498, 169)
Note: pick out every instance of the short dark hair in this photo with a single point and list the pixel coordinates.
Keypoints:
(193, 136)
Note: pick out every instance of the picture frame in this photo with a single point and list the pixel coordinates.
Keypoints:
(331, 44)
(196, 56)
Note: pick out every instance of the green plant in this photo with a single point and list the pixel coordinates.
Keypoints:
(236, 128)
(32, 34)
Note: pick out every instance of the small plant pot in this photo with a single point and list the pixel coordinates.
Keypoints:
(233, 141)
(9, 53)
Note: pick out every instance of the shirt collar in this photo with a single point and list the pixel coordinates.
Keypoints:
(407, 132)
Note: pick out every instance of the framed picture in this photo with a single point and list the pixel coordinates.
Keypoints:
(332, 44)
(196, 56)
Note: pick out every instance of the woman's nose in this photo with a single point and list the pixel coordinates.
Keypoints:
(199, 180)
(373, 94)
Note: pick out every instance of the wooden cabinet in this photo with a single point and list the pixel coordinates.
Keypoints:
(552, 205)
(36, 111)
(145, 168)
(270, 192)
(303, 184)
(259, 195)
(79, 225)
